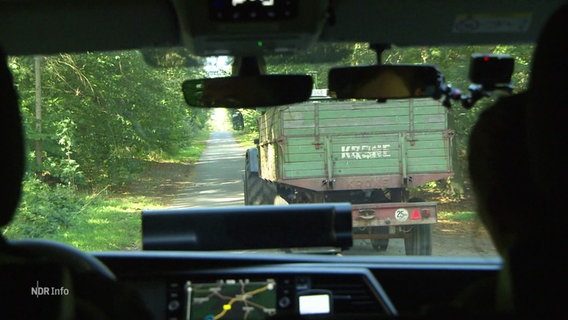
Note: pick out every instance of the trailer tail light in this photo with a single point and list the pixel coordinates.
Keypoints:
(426, 213)
(415, 215)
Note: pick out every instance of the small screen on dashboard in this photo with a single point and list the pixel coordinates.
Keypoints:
(314, 304)
(252, 10)
(231, 299)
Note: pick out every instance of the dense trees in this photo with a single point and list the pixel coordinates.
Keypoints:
(105, 114)
(100, 111)
(92, 122)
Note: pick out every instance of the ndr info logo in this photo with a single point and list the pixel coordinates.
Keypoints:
(48, 291)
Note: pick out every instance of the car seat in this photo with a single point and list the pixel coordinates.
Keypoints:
(46, 279)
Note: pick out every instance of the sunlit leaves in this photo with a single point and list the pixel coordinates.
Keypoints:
(101, 108)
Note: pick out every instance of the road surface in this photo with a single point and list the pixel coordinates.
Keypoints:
(218, 181)
(218, 177)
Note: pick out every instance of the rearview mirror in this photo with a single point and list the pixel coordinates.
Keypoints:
(247, 91)
(385, 82)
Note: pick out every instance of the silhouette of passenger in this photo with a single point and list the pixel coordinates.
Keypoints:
(516, 159)
(498, 166)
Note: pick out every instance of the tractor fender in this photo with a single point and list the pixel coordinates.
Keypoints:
(251, 163)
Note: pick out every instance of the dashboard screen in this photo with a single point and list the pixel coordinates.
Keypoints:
(315, 303)
(252, 10)
(231, 299)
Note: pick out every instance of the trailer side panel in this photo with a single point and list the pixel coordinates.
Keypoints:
(356, 145)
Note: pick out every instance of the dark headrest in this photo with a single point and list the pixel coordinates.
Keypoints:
(12, 144)
(547, 109)
(498, 141)
(539, 263)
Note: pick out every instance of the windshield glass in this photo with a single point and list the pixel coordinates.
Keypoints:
(109, 136)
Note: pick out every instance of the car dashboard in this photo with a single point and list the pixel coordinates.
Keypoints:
(215, 285)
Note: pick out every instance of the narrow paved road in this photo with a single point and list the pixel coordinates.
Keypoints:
(219, 175)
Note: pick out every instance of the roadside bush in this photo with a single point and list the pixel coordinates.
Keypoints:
(44, 210)
(250, 119)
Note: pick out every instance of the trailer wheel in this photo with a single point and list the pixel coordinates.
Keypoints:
(380, 245)
(419, 240)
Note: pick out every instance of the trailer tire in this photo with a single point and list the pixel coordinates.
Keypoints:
(419, 241)
(380, 245)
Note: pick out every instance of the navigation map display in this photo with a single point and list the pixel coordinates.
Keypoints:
(231, 299)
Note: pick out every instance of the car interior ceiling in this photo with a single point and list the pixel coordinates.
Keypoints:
(541, 261)
(154, 24)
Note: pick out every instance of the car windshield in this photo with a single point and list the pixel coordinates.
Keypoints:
(109, 136)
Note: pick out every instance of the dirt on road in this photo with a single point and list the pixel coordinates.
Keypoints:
(161, 181)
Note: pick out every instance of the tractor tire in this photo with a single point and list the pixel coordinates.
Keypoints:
(257, 191)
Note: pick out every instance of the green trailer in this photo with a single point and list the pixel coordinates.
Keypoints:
(367, 153)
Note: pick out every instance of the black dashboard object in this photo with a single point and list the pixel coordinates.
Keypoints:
(248, 227)
(267, 292)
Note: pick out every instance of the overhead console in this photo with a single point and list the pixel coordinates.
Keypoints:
(249, 27)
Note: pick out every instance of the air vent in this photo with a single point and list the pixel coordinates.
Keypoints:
(351, 294)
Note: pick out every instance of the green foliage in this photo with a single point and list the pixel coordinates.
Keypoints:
(191, 152)
(246, 139)
(86, 221)
(460, 216)
(101, 114)
(44, 210)
(108, 223)
(103, 117)
(171, 58)
(89, 221)
(320, 60)
(251, 120)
